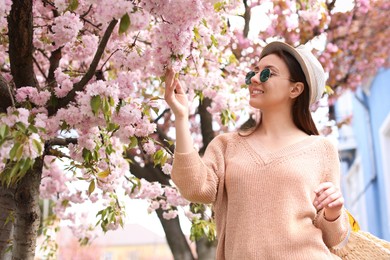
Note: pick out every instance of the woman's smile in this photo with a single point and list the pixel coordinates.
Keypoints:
(255, 92)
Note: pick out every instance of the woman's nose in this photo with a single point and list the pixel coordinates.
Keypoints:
(256, 78)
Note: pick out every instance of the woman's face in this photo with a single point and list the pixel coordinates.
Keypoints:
(271, 85)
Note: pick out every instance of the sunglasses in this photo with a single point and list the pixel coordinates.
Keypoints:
(265, 74)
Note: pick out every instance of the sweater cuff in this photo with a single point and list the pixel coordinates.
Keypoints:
(335, 231)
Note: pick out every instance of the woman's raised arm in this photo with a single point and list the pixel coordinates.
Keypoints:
(178, 102)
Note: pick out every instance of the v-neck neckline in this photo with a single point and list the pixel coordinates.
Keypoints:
(268, 156)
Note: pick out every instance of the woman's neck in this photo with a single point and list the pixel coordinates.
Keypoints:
(277, 124)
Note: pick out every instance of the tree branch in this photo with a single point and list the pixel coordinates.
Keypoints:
(247, 18)
(174, 234)
(79, 86)
(60, 141)
(206, 123)
(5, 95)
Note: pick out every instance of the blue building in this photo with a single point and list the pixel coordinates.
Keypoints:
(364, 147)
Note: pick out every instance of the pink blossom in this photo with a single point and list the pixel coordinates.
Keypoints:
(15, 115)
(53, 179)
(30, 148)
(38, 98)
(332, 47)
(311, 16)
(66, 28)
(61, 5)
(167, 168)
(190, 215)
(170, 214)
(150, 190)
(149, 147)
(64, 88)
(174, 198)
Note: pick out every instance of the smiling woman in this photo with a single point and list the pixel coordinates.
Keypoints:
(279, 180)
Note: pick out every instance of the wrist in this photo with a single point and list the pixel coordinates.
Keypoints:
(331, 215)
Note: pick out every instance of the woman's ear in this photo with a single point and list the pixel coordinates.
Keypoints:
(296, 89)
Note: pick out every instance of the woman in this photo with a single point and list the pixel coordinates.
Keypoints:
(275, 189)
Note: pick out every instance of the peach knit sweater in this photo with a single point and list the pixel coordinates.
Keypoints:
(263, 201)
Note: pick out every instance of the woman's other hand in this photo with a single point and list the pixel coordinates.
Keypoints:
(329, 196)
(175, 96)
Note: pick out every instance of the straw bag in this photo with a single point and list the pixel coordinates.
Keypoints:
(362, 245)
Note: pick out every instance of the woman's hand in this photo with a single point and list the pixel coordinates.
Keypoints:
(175, 96)
(329, 196)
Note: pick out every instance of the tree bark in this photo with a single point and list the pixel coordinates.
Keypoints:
(20, 26)
(176, 240)
(5, 95)
(175, 237)
(27, 214)
(7, 207)
(206, 124)
(247, 18)
(205, 249)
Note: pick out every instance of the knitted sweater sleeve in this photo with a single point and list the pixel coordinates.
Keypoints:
(333, 232)
(197, 178)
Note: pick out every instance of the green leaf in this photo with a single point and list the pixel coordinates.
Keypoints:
(13, 151)
(37, 146)
(3, 131)
(96, 103)
(91, 187)
(25, 166)
(106, 107)
(233, 59)
(124, 24)
(133, 142)
(20, 126)
(196, 34)
(219, 6)
(214, 40)
(87, 155)
(329, 90)
(204, 22)
(104, 173)
(32, 129)
(73, 5)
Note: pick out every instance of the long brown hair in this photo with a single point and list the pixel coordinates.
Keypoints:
(301, 108)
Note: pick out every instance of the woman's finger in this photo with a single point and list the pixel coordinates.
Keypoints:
(169, 77)
(326, 193)
(337, 203)
(323, 186)
(169, 85)
(178, 88)
(329, 199)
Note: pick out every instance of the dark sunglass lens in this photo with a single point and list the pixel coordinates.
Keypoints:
(249, 76)
(265, 74)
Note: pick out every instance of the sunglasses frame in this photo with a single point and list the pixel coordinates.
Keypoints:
(264, 76)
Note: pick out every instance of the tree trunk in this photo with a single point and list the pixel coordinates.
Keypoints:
(206, 124)
(175, 237)
(205, 249)
(7, 207)
(20, 26)
(27, 214)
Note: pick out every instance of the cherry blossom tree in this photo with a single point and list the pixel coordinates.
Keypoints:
(82, 121)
